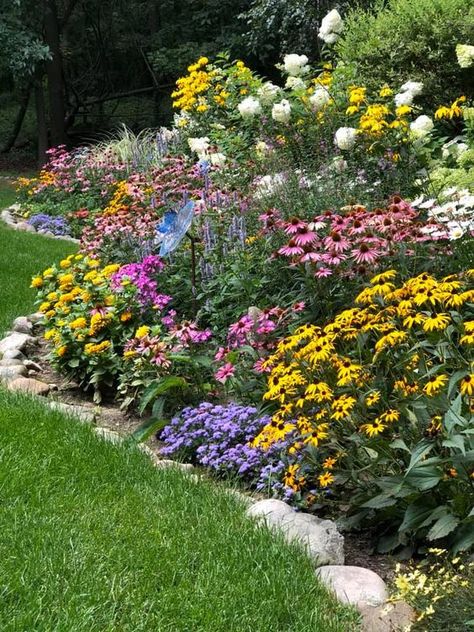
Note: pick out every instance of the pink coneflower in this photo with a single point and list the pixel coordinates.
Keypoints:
(312, 257)
(242, 326)
(356, 227)
(221, 353)
(265, 326)
(304, 236)
(333, 258)
(225, 372)
(336, 242)
(299, 306)
(294, 225)
(259, 368)
(365, 253)
(323, 272)
(291, 249)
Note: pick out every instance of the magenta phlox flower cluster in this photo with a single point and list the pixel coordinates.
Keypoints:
(143, 276)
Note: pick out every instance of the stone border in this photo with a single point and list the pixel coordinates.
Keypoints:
(10, 216)
(320, 539)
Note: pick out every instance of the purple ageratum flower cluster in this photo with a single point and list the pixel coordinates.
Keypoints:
(218, 437)
(143, 276)
(44, 223)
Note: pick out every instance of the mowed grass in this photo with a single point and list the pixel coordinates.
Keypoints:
(22, 255)
(94, 538)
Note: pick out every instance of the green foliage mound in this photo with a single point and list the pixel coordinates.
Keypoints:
(400, 40)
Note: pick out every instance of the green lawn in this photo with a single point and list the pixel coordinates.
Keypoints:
(21, 256)
(94, 538)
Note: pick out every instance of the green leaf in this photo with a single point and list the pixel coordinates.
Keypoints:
(148, 428)
(456, 441)
(400, 444)
(464, 539)
(415, 515)
(443, 526)
(421, 450)
(424, 477)
(380, 501)
(158, 387)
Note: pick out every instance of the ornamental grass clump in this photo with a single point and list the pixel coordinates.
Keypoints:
(380, 403)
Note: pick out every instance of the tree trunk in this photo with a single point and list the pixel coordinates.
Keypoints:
(54, 71)
(41, 126)
(18, 121)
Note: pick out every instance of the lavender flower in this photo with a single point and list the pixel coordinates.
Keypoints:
(45, 223)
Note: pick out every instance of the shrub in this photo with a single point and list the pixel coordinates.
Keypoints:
(381, 399)
(402, 39)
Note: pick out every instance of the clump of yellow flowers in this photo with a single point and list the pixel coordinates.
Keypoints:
(358, 396)
(429, 585)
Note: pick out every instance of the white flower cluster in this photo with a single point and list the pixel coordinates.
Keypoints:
(465, 55)
(454, 148)
(268, 92)
(331, 27)
(268, 185)
(319, 99)
(201, 147)
(295, 83)
(295, 65)
(457, 213)
(345, 138)
(408, 92)
(421, 126)
(281, 112)
(249, 107)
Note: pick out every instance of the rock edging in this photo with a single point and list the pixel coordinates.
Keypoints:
(10, 216)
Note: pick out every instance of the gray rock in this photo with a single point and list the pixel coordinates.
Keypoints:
(36, 317)
(11, 362)
(32, 366)
(28, 385)
(391, 617)
(22, 325)
(8, 373)
(320, 538)
(164, 464)
(109, 435)
(14, 354)
(354, 585)
(16, 341)
(25, 226)
(15, 208)
(79, 412)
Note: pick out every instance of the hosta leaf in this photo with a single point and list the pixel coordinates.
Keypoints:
(443, 526)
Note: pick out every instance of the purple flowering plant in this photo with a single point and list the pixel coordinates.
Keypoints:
(219, 437)
(44, 223)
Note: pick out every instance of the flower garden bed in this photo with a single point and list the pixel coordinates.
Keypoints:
(283, 286)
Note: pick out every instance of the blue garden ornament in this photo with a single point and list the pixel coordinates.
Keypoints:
(173, 227)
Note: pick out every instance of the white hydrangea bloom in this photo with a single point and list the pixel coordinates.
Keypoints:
(319, 99)
(218, 159)
(267, 185)
(345, 138)
(415, 87)
(421, 126)
(199, 145)
(262, 148)
(404, 98)
(249, 107)
(281, 112)
(268, 92)
(294, 83)
(331, 26)
(465, 55)
(295, 65)
(454, 148)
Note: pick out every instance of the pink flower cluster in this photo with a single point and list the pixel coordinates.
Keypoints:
(258, 331)
(355, 237)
